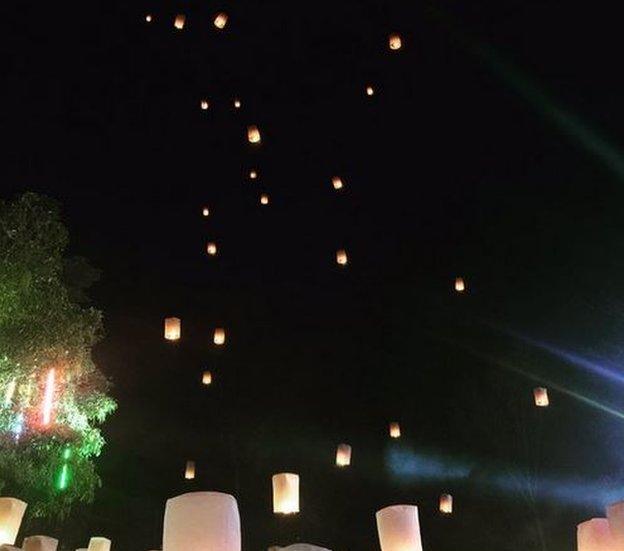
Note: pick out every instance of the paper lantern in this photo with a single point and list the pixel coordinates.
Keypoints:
(205, 211)
(337, 182)
(460, 286)
(398, 528)
(206, 378)
(220, 20)
(370, 91)
(202, 521)
(148, 18)
(179, 21)
(595, 535)
(11, 514)
(99, 544)
(540, 394)
(264, 199)
(189, 471)
(446, 504)
(615, 514)
(286, 493)
(211, 248)
(219, 336)
(204, 104)
(341, 257)
(394, 41)
(343, 455)
(237, 103)
(253, 174)
(173, 329)
(395, 430)
(39, 543)
(253, 134)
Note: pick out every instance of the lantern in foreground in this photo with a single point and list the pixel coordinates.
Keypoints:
(595, 535)
(99, 544)
(343, 455)
(189, 471)
(395, 430)
(370, 91)
(253, 134)
(394, 41)
(446, 504)
(173, 329)
(286, 493)
(460, 286)
(337, 182)
(615, 514)
(39, 543)
(237, 103)
(540, 395)
(253, 174)
(219, 336)
(398, 528)
(179, 21)
(264, 199)
(206, 378)
(211, 248)
(220, 20)
(341, 257)
(11, 514)
(205, 211)
(204, 104)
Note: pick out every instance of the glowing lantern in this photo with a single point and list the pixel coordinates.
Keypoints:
(11, 514)
(595, 535)
(341, 257)
(205, 211)
(253, 174)
(395, 430)
(337, 182)
(460, 286)
(615, 514)
(540, 394)
(39, 543)
(204, 104)
(394, 41)
(173, 329)
(237, 103)
(48, 398)
(398, 528)
(343, 455)
(264, 199)
(207, 378)
(370, 91)
(286, 493)
(253, 134)
(220, 20)
(189, 471)
(99, 544)
(179, 21)
(148, 18)
(211, 248)
(446, 504)
(201, 521)
(219, 336)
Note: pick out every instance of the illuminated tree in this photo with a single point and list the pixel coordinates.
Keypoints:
(52, 396)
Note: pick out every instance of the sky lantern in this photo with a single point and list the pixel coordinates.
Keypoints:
(460, 285)
(337, 182)
(237, 103)
(341, 257)
(394, 41)
(286, 493)
(204, 104)
(395, 430)
(343, 455)
(206, 378)
(398, 528)
(219, 336)
(11, 514)
(615, 514)
(205, 211)
(446, 504)
(211, 248)
(220, 20)
(200, 521)
(264, 199)
(99, 544)
(39, 543)
(595, 535)
(173, 329)
(48, 397)
(253, 174)
(253, 134)
(179, 21)
(540, 395)
(148, 18)
(370, 91)
(189, 470)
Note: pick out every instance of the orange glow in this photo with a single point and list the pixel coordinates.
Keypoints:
(341, 257)
(219, 336)
(460, 285)
(211, 248)
(179, 21)
(173, 329)
(189, 472)
(220, 20)
(370, 91)
(206, 378)
(204, 104)
(446, 504)
(253, 174)
(205, 211)
(237, 103)
(264, 199)
(148, 18)
(540, 394)
(395, 42)
(337, 182)
(395, 430)
(48, 398)
(253, 134)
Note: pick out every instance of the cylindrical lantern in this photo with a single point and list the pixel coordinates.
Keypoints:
(206, 378)
(11, 514)
(173, 329)
(264, 199)
(205, 211)
(189, 470)
(540, 395)
(220, 20)
(237, 103)
(179, 21)
(394, 41)
(341, 257)
(446, 504)
(615, 514)
(99, 544)
(395, 430)
(460, 285)
(39, 543)
(398, 528)
(219, 336)
(211, 248)
(253, 134)
(286, 493)
(202, 521)
(370, 91)
(595, 535)
(253, 174)
(337, 182)
(343, 455)
(204, 104)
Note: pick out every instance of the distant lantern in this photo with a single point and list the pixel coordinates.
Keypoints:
(395, 430)
(286, 493)
(398, 528)
(11, 514)
(179, 21)
(446, 504)
(253, 134)
(219, 336)
(237, 103)
(99, 544)
(205, 211)
(199, 521)
(341, 257)
(264, 199)
(189, 471)
(173, 329)
(595, 535)
(337, 182)
(370, 91)
(460, 285)
(39, 543)
(615, 514)
(343, 455)
(207, 378)
(204, 104)
(253, 174)
(540, 394)
(211, 248)
(220, 20)
(394, 41)
(148, 18)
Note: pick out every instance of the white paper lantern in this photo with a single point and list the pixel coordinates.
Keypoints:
(219, 336)
(11, 514)
(202, 521)
(206, 378)
(460, 284)
(220, 20)
(540, 395)
(179, 21)
(395, 430)
(595, 535)
(446, 504)
(286, 493)
(337, 182)
(189, 470)
(370, 91)
(39, 543)
(253, 134)
(395, 42)
(99, 544)
(398, 528)
(173, 329)
(343, 455)
(341, 257)
(615, 514)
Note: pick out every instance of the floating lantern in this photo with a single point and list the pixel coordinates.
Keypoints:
(201, 521)
(343, 455)
(99, 544)
(253, 134)
(220, 20)
(398, 528)
(11, 514)
(264, 199)
(286, 493)
(205, 211)
(179, 21)
(395, 430)
(595, 535)
(219, 336)
(148, 18)
(206, 378)
(211, 248)
(460, 286)
(204, 104)
(48, 398)
(341, 257)
(615, 514)
(253, 174)
(394, 41)
(189, 471)
(370, 91)
(446, 504)
(337, 182)
(540, 394)
(39, 543)
(237, 103)
(173, 329)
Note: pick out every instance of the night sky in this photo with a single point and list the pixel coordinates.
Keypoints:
(490, 151)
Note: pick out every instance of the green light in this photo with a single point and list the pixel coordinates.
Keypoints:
(66, 453)
(64, 478)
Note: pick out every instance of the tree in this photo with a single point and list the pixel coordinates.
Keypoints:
(52, 396)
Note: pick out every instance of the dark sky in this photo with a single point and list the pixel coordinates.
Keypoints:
(490, 151)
